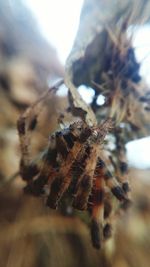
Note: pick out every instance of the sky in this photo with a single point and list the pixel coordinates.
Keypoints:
(141, 42)
(58, 21)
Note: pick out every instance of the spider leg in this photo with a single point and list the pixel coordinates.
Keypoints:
(124, 179)
(25, 125)
(123, 176)
(123, 166)
(69, 148)
(30, 169)
(27, 169)
(122, 159)
(49, 173)
(47, 170)
(78, 167)
(112, 182)
(121, 172)
(85, 179)
(96, 208)
(107, 229)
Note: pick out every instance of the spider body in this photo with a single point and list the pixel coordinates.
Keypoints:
(72, 160)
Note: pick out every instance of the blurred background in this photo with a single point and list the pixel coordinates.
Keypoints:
(36, 38)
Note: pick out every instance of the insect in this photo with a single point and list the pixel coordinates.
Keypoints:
(72, 161)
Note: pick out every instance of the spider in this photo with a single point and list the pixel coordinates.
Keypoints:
(72, 161)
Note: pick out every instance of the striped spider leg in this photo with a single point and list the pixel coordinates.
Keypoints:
(26, 124)
(47, 169)
(84, 181)
(108, 209)
(96, 208)
(27, 168)
(124, 178)
(122, 166)
(100, 206)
